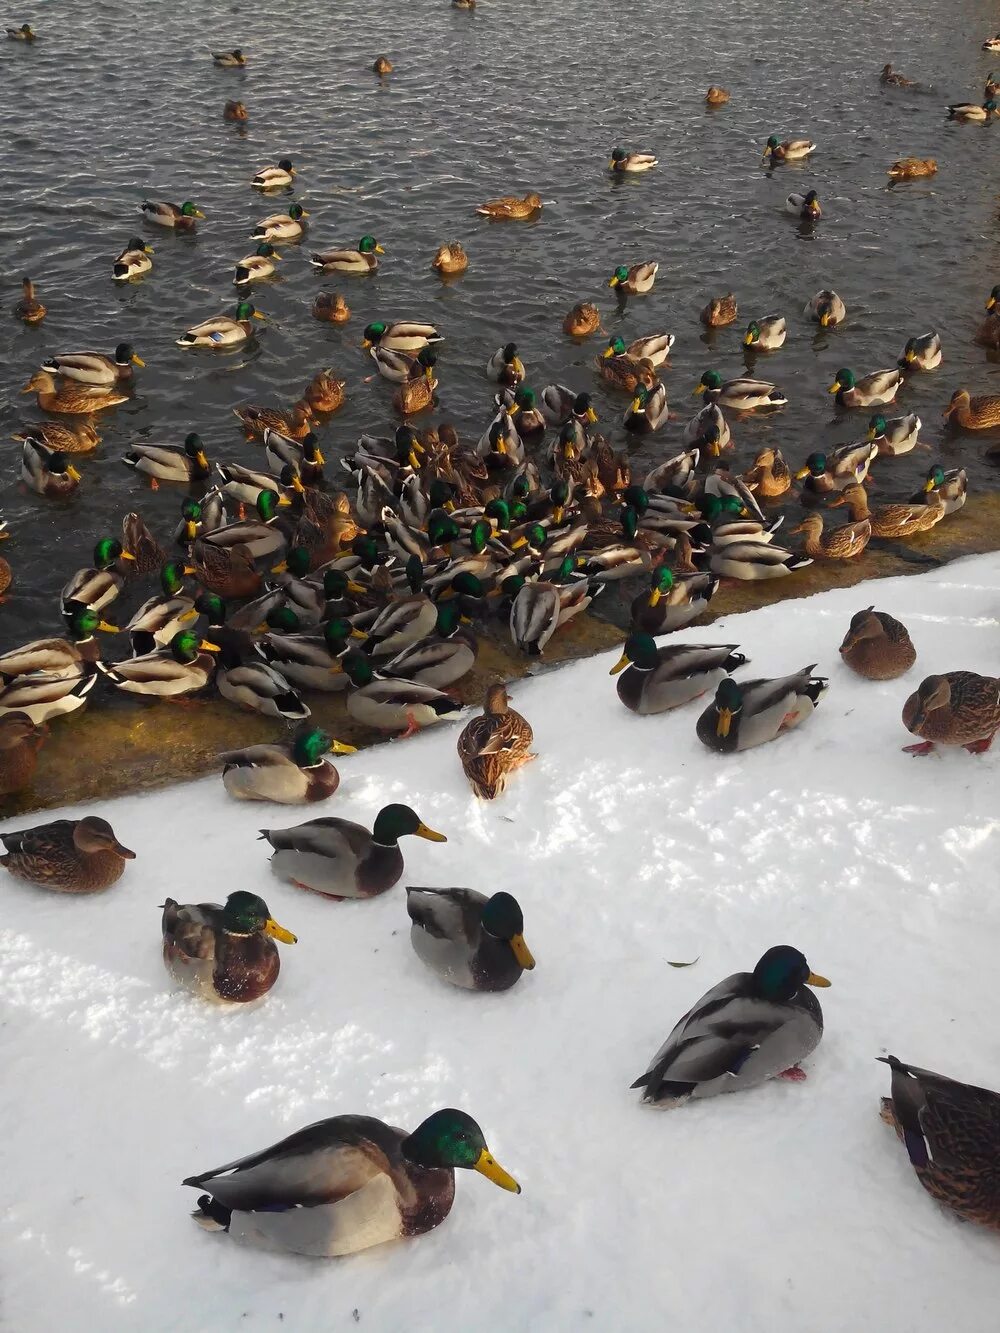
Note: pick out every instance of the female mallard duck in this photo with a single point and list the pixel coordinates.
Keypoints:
(68, 855)
(751, 561)
(505, 366)
(923, 353)
(161, 462)
(982, 413)
(896, 435)
(331, 308)
(400, 335)
(912, 168)
(847, 463)
(804, 206)
(720, 311)
(494, 745)
(161, 617)
(770, 476)
(450, 259)
(47, 471)
(25, 33)
(416, 394)
(324, 393)
(79, 437)
(281, 226)
(988, 333)
(381, 66)
(583, 320)
(717, 96)
(227, 571)
(229, 59)
(182, 667)
(347, 1183)
(257, 421)
(895, 80)
(951, 1132)
(654, 348)
(648, 410)
(949, 489)
(658, 679)
(6, 573)
(636, 280)
(468, 939)
(225, 954)
(134, 261)
(671, 602)
(20, 741)
(274, 178)
(235, 111)
(889, 520)
(392, 705)
(223, 330)
(29, 308)
(876, 646)
(340, 859)
(362, 261)
(873, 390)
(956, 708)
(291, 773)
(827, 309)
(181, 217)
(753, 712)
(972, 111)
(621, 161)
(843, 543)
(95, 367)
(791, 150)
(510, 208)
(258, 266)
(745, 394)
(97, 587)
(70, 399)
(765, 335)
(624, 373)
(752, 1027)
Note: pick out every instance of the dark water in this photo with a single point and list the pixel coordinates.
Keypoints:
(119, 102)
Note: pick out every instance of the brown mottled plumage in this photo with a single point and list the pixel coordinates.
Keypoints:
(20, 741)
(493, 745)
(77, 437)
(717, 96)
(583, 320)
(956, 708)
(229, 572)
(234, 111)
(843, 543)
(29, 308)
(450, 259)
(909, 168)
(382, 65)
(149, 555)
(769, 477)
(68, 855)
(509, 207)
(331, 308)
(973, 413)
(889, 520)
(721, 310)
(877, 646)
(323, 393)
(294, 423)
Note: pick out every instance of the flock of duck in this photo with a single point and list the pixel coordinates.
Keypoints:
(277, 587)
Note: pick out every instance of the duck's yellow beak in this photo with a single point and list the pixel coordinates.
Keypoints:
(126, 555)
(424, 832)
(608, 352)
(72, 472)
(747, 339)
(149, 250)
(318, 457)
(871, 433)
(280, 568)
(283, 502)
(635, 405)
(724, 722)
(518, 542)
(824, 320)
(928, 485)
(137, 359)
(613, 281)
(590, 414)
(834, 387)
(991, 303)
(190, 530)
(107, 628)
(366, 343)
(379, 250)
(620, 665)
(341, 747)
(207, 647)
(521, 952)
(910, 355)
(802, 472)
(654, 596)
(258, 315)
(490, 1168)
(700, 388)
(198, 213)
(517, 365)
(277, 932)
(814, 980)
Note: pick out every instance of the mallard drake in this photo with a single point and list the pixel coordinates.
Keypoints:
(731, 520)
(827, 309)
(745, 394)
(583, 320)
(227, 571)
(654, 348)
(382, 65)
(182, 667)
(291, 773)
(671, 602)
(182, 217)
(748, 713)
(752, 1027)
(161, 462)
(956, 708)
(877, 646)
(873, 390)
(29, 308)
(494, 745)
(505, 366)
(362, 261)
(235, 111)
(658, 679)
(845, 464)
(982, 413)
(531, 423)
(717, 96)
(25, 33)
(296, 423)
(896, 435)
(42, 695)
(324, 394)
(347, 1183)
(274, 178)
(157, 621)
(534, 616)
(951, 1135)
(720, 311)
(972, 111)
(70, 399)
(948, 488)
(510, 208)
(67, 855)
(804, 206)
(223, 330)
(991, 44)
(20, 741)
(843, 543)
(95, 367)
(621, 161)
(468, 939)
(912, 168)
(98, 586)
(229, 59)
(331, 308)
(765, 335)
(440, 660)
(134, 261)
(991, 87)
(791, 150)
(675, 475)
(754, 560)
(252, 684)
(770, 476)
(890, 76)
(709, 431)
(648, 410)
(636, 280)
(340, 859)
(450, 259)
(889, 520)
(303, 455)
(398, 367)
(392, 705)
(400, 335)
(57, 658)
(78, 437)
(923, 353)
(258, 266)
(47, 471)
(281, 226)
(224, 954)
(244, 484)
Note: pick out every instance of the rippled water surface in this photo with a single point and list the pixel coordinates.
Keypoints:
(117, 103)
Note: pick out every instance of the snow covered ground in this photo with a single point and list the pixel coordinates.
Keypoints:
(627, 844)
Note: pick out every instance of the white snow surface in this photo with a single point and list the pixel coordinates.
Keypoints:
(791, 1207)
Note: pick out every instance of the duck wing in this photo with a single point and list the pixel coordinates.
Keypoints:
(447, 914)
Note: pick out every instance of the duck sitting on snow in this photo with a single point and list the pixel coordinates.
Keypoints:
(468, 939)
(224, 954)
(748, 713)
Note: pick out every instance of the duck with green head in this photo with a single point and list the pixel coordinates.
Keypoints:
(636, 280)
(442, 659)
(98, 585)
(161, 617)
(671, 602)
(654, 680)
(292, 772)
(181, 217)
(361, 262)
(308, 661)
(223, 330)
(894, 435)
(873, 390)
(753, 712)
(468, 939)
(393, 705)
(648, 410)
(946, 487)
(254, 268)
(161, 462)
(281, 226)
(824, 473)
(183, 666)
(58, 657)
(225, 954)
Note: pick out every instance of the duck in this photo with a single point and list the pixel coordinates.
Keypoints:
(648, 410)
(653, 347)
(873, 390)
(505, 366)
(303, 455)
(912, 168)
(331, 308)
(748, 713)
(745, 394)
(450, 259)
(382, 65)
(161, 462)
(281, 226)
(534, 616)
(183, 666)
(95, 367)
(70, 399)
(99, 586)
(622, 162)
(720, 311)
(889, 520)
(66, 855)
(415, 395)
(982, 413)
(843, 543)
(57, 658)
(292, 772)
(923, 353)
(344, 1184)
(245, 679)
(6, 573)
(41, 695)
(949, 1130)
(258, 266)
(717, 96)
(229, 59)
(948, 488)
(804, 206)
(400, 335)
(29, 308)
(20, 741)
(48, 472)
(622, 372)
(894, 436)
(671, 602)
(955, 708)
(274, 178)
(440, 660)
(791, 150)
(362, 261)
(392, 705)
(341, 859)
(296, 423)
(877, 646)
(992, 43)
(972, 111)
(751, 1027)
(509, 208)
(752, 561)
(890, 76)
(636, 280)
(225, 954)
(494, 745)
(25, 33)
(159, 618)
(655, 680)
(76, 437)
(235, 111)
(765, 335)
(988, 333)
(223, 330)
(470, 940)
(845, 464)
(827, 309)
(324, 394)
(992, 87)
(531, 423)
(134, 261)
(181, 217)
(227, 571)
(583, 320)
(709, 430)
(770, 476)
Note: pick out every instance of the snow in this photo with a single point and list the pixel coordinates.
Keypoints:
(628, 844)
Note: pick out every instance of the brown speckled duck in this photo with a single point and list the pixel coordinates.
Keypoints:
(494, 745)
(956, 708)
(720, 311)
(20, 741)
(67, 855)
(877, 646)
